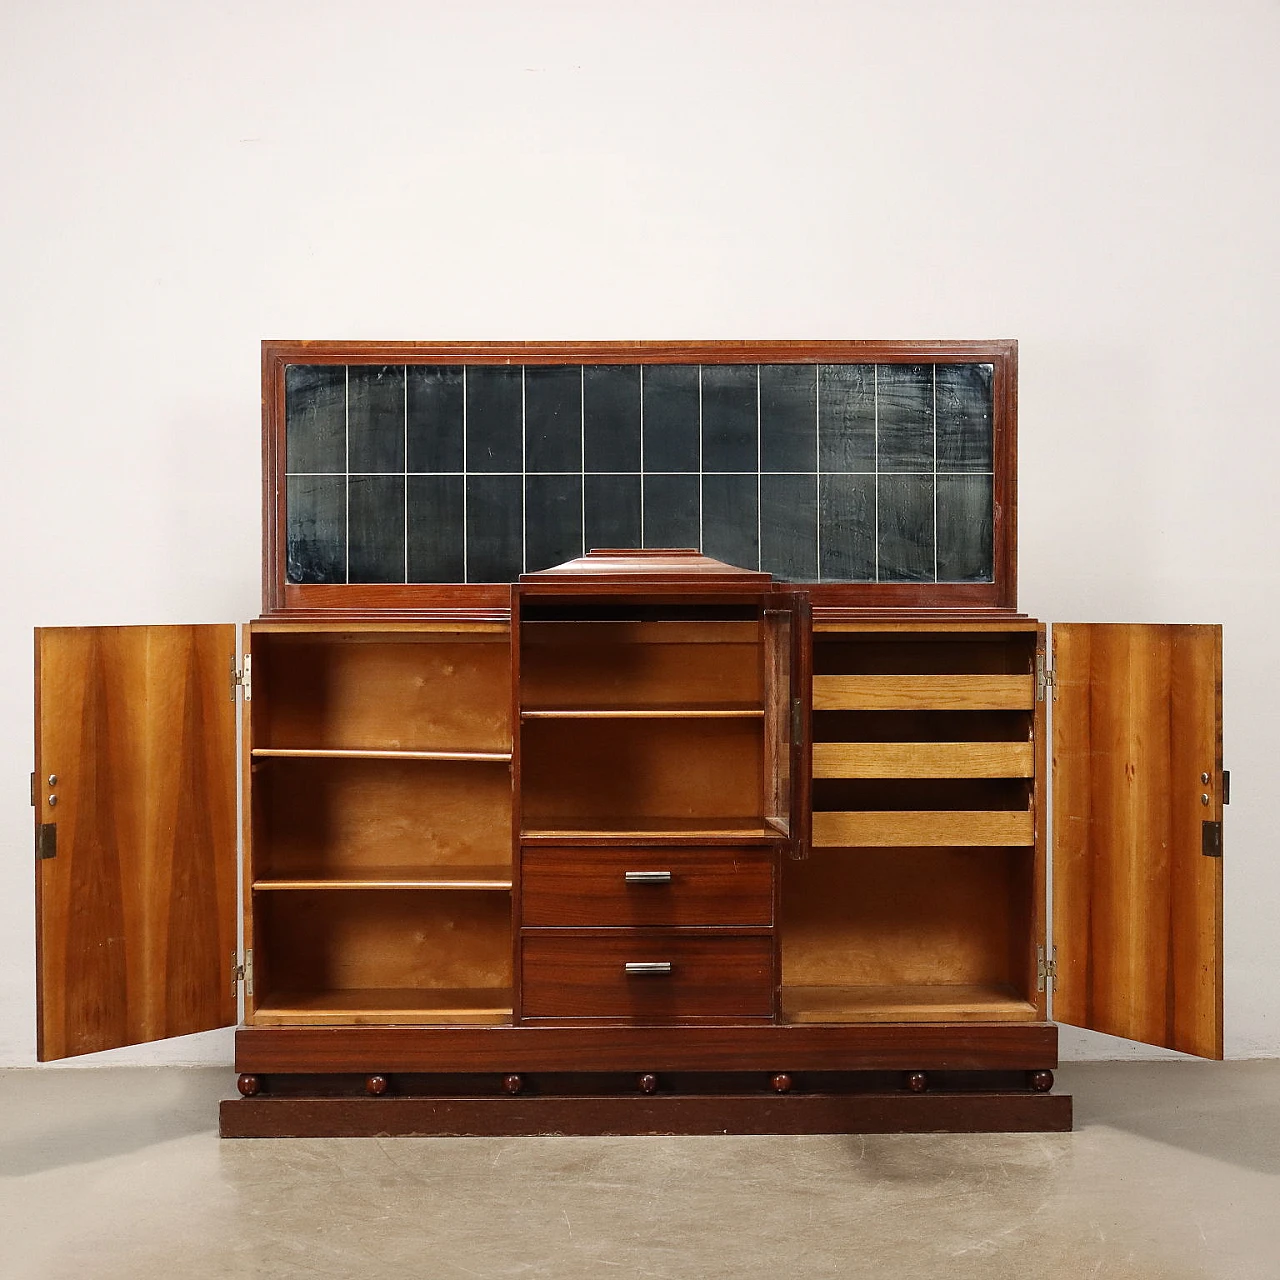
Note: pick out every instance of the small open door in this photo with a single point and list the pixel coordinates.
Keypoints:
(1137, 832)
(135, 802)
(789, 679)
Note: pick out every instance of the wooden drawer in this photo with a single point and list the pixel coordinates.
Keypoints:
(656, 886)
(584, 974)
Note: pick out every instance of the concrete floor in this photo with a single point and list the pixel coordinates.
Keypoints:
(1173, 1172)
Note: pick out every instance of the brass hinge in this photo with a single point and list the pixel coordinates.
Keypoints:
(1046, 678)
(242, 972)
(242, 677)
(1046, 971)
(34, 801)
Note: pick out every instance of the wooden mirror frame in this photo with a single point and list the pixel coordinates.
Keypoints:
(442, 600)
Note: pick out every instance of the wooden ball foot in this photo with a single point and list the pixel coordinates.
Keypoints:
(781, 1083)
(512, 1083)
(1041, 1081)
(647, 1083)
(916, 1081)
(375, 1086)
(248, 1085)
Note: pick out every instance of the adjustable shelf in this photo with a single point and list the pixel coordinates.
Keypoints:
(923, 760)
(734, 830)
(376, 1006)
(496, 878)
(644, 713)
(329, 753)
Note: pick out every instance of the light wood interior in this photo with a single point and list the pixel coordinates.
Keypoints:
(922, 760)
(672, 665)
(365, 819)
(925, 934)
(923, 693)
(377, 957)
(610, 775)
(434, 691)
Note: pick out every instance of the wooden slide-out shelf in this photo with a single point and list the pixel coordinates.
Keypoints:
(410, 877)
(923, 760)
(386, 1007)
(919, 829)
(944, 1002)
(924, 693)
(643, 713)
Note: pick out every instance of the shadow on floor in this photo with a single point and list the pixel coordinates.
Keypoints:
(1228, 1111)
(53, 1118)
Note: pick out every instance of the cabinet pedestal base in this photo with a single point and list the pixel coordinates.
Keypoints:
(523, 1116)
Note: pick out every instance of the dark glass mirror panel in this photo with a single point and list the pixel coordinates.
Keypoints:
(814, 473)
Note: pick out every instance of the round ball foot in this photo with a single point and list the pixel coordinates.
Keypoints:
(647, 1083)
(1041, 1081)
(916, 1081)
(375, 1086)
(512, 1083)
(248, 1085)
(781, 1083)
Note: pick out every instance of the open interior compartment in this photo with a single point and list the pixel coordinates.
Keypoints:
(343, 821)
(400, 691)
(923, 739)
(652, 776)
(641, 665)
(909, 935)
(381, 957)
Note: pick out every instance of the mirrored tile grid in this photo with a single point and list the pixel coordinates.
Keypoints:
(814, 473)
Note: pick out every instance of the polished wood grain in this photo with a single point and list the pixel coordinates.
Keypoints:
(568, 887)
(582, 974)
(923, 692)
(450, 599)
(312, 753)
(655, 831)
(936, 1002)
(497, 878)
(756, 1046)
(923, 760)
(654, 569)
(381, 1006)
(787, 1113)
(136, 914)
(1137, 719)
(907, 828)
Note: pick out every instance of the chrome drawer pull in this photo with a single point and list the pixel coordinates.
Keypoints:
(647, 966)
(648, 877)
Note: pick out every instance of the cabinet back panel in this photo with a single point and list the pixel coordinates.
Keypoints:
(922, 726)
(908, 916)
(951, 654)
(332, 816)
(433, 694)
(925, 794)
(619, 770)
(617, 665)
(343, 940)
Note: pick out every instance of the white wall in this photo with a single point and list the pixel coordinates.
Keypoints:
(1098, 180)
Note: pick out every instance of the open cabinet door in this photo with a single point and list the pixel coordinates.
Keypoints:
(135, 800)
(788, 682)
(1137, 836)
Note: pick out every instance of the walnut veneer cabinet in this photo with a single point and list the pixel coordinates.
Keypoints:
(739, 826)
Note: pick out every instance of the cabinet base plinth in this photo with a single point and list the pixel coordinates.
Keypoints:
(523, 1116)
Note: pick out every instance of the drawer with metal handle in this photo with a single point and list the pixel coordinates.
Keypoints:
(645, 975)
(655, 886)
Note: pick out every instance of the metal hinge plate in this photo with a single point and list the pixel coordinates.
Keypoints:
(242, 678)
(1046, 970)
(46, 841)
(1046, 678)
(1211, 839)
(242, 972)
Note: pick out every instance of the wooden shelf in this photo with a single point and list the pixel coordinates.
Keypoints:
(495, 878)
(944, 1002)
(905, 828)
(923, 760)
(385, 1007)
(645, 713)
(655, 831)
(924, 693)
(310, 753)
